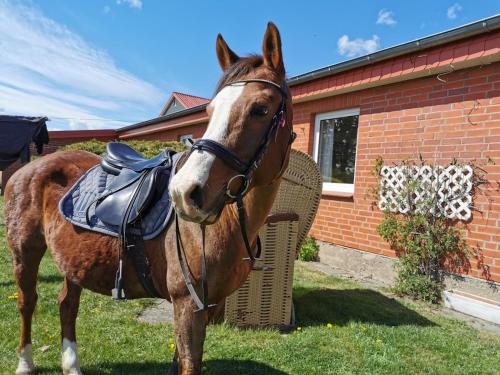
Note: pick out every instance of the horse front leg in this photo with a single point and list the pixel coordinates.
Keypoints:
(190, 329)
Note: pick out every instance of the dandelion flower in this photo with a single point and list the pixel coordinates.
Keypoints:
(299, 328)
(329, 326)
(14, 296)
(171, 346)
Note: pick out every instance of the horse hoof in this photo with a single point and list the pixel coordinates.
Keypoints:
(25, 365)
(25, 369)
(72, 371)
(22, 370)
(70, 361)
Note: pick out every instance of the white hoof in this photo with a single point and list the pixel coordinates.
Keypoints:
(72, 371)
(70, 361)
(25, 365)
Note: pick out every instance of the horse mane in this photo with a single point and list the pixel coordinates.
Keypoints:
(239, 69)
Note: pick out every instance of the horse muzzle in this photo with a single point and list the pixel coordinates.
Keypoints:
(190, 204)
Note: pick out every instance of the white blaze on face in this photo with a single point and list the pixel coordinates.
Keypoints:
(25, 365)
(70, 361)
(196, 169)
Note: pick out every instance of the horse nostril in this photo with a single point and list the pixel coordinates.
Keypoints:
(196, 196)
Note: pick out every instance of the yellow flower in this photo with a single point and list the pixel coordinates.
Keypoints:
(14, 296)
(299, 328)
(171, 346)
(329, 326)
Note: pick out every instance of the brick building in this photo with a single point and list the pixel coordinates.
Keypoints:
(438, 96)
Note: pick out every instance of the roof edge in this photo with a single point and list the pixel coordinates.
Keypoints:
(164, 118)
(461, 32)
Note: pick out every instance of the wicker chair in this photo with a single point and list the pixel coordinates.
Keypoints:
(265, 299)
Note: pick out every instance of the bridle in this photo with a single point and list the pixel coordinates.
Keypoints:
(244, 171)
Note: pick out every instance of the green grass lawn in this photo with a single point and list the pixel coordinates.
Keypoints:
(370, 334)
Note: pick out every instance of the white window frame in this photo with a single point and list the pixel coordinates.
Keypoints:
(185, 139)
(331, 187)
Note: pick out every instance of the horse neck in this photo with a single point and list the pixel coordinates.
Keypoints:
(258, 203)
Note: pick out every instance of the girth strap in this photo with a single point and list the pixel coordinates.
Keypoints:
(137, 253)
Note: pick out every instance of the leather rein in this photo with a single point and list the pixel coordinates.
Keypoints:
(244, 172)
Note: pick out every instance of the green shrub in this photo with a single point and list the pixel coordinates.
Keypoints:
(425, 243)
(309, 252)
(146, 148)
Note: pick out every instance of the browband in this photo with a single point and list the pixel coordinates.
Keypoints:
(258, 80)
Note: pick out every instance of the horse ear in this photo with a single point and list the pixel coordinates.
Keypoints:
(271, 49)
(225, 55)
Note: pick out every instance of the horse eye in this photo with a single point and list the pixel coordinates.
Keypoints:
(259, 110)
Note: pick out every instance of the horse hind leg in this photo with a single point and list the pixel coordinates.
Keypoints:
(69, 301)
(26, 261)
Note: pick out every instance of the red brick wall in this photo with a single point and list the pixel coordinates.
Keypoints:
(459, 118)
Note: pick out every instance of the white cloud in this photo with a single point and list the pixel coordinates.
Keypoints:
(386, 17)
(131, 3)
(452, 11)
(357, 47)
(46, 69)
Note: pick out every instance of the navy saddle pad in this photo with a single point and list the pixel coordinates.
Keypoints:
(93, 204)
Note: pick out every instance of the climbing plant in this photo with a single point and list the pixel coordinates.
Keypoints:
(417, 226)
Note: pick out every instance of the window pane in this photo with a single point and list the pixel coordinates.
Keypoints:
(337, 149)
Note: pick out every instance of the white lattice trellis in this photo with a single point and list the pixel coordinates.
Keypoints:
(442, 191)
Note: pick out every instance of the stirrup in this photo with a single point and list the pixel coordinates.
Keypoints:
(118, 294)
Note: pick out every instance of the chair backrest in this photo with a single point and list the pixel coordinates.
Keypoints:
(300, 192)
(265, 298)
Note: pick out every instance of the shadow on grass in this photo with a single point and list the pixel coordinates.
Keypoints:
(41, 279)
(225, 367)
(320, 306)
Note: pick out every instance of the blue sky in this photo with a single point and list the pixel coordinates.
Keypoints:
(108, 63)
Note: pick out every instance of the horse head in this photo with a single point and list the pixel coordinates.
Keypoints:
(248, 138)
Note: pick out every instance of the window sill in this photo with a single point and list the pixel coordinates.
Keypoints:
(337, 194)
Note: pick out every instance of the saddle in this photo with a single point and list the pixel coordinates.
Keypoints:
(126, 196)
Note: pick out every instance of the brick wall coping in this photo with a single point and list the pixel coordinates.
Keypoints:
(64, 134)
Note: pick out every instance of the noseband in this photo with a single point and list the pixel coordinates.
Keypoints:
(244, 172)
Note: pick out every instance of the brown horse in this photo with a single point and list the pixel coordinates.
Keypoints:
(240, 114)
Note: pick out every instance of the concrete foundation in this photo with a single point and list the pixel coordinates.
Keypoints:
(380, 269)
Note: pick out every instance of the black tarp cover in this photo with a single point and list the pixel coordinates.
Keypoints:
(16, 134)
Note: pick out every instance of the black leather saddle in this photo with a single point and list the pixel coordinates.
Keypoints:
(135, 187)
(120, 156)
